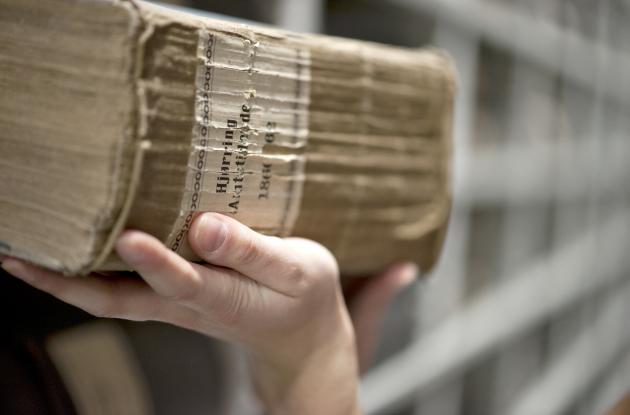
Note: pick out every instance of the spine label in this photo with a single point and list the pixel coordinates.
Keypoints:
(251, 126)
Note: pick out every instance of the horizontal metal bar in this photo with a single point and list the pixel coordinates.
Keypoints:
(570, 273)
(518, 174)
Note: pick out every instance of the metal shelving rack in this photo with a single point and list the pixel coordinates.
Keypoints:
(546, 329)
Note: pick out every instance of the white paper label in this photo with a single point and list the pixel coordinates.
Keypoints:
(251, 123)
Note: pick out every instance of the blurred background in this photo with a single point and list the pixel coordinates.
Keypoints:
(527, 311)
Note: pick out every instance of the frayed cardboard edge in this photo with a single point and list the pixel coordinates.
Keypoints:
(142, 32)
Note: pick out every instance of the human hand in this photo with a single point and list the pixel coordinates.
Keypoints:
(368, 301)
(280, 298)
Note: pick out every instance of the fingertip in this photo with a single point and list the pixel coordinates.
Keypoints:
(130, 237)
(208, 233)
(19, 269)
(394, 280)
(135, 246)
(11, 265)
(407, 274)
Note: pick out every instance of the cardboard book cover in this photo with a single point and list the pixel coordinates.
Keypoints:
(122, 114)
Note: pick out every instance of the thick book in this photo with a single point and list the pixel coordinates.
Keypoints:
(123, 114)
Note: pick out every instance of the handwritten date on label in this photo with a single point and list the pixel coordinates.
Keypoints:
(270, 136)
(265, 183)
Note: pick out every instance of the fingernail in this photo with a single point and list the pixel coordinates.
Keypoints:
(210, 233)
(410, 272)
(128, 248)
(7, 265)
(13, 267)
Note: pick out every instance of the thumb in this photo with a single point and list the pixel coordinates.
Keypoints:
(369, 306)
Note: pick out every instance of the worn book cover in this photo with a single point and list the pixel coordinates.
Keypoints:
(122, 114)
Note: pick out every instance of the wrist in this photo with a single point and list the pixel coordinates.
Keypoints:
(314, 374)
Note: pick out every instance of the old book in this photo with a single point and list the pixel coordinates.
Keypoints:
(118, 114)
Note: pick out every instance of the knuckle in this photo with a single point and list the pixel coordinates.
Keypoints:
(54, 288)
(249, 252)
(105, 309)
(235, 304)
(298, 278)
(104, 305)
(181, 294)
(191, 284)
(307, 274)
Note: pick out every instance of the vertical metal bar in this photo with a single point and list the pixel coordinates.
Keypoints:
(443, 294)
(532, 120)
(584, 111)
(604, 129)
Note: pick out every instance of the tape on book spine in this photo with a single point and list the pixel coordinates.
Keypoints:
(250, 129)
